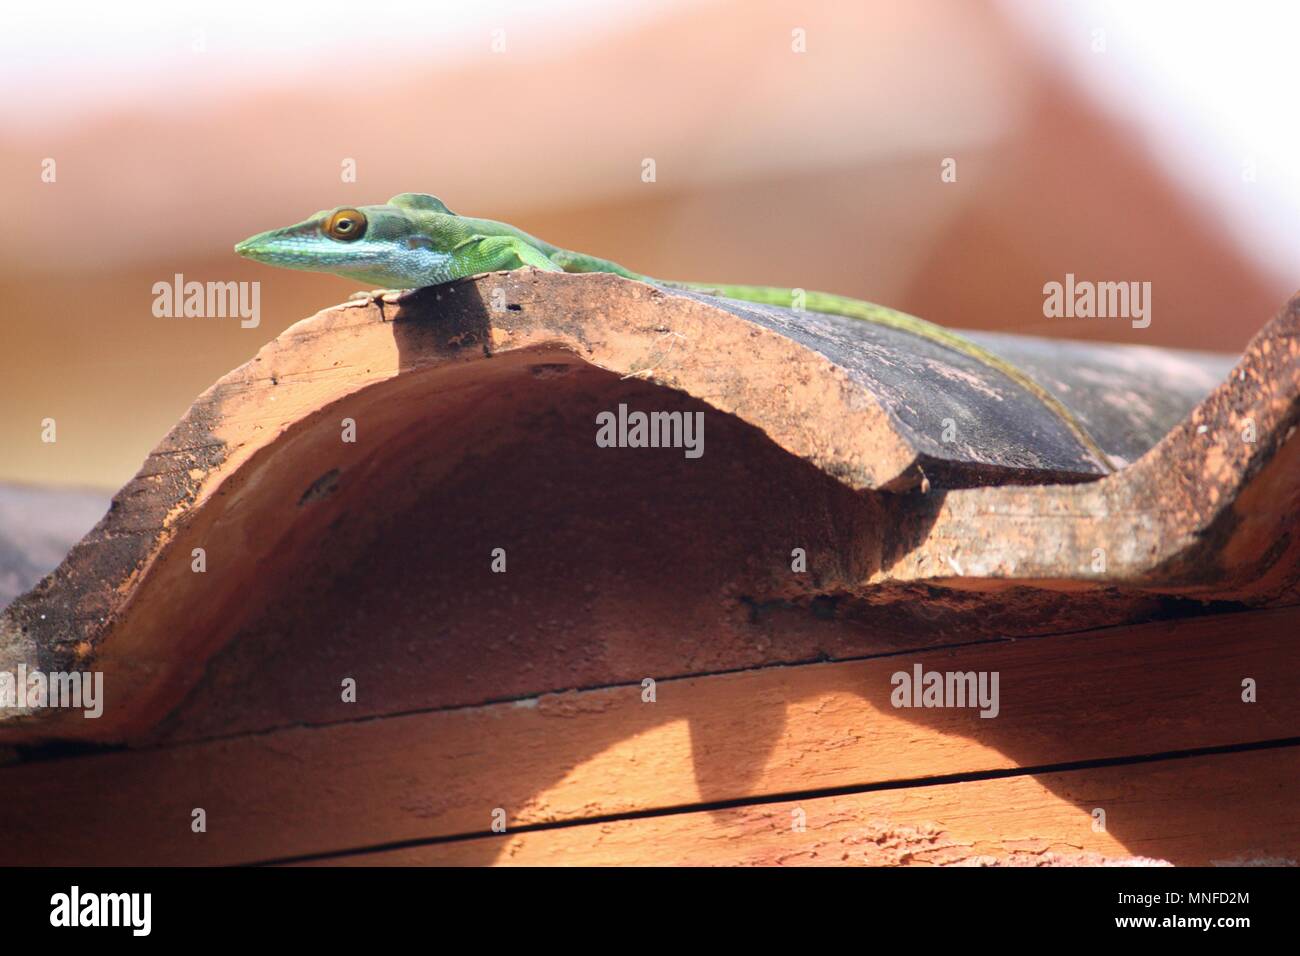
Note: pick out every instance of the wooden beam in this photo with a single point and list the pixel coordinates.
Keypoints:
(1106, 694)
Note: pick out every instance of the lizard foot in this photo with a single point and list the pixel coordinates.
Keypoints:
(380, 295)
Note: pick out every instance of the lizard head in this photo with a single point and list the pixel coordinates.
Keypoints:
(390, 245)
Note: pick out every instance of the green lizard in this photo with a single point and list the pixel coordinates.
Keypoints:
(414, 240)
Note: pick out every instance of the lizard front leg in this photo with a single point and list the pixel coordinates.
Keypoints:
(493, 253)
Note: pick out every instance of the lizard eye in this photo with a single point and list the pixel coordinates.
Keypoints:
(346, 225)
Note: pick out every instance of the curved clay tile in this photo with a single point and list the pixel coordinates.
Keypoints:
(912, 470)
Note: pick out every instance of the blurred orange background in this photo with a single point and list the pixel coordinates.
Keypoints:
(1084, 139)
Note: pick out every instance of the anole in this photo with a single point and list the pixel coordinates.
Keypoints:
(414, 240)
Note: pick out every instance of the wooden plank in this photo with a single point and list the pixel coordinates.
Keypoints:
(1113, 693)
(1224, 810)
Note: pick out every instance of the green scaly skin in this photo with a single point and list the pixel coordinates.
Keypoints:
(414, 240)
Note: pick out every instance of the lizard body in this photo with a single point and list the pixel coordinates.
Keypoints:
(414, 240)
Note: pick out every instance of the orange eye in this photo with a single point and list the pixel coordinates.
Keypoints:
(346, 225)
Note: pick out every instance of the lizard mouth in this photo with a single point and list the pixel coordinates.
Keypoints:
(274, 247)
(296, 248)
(247, 248)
